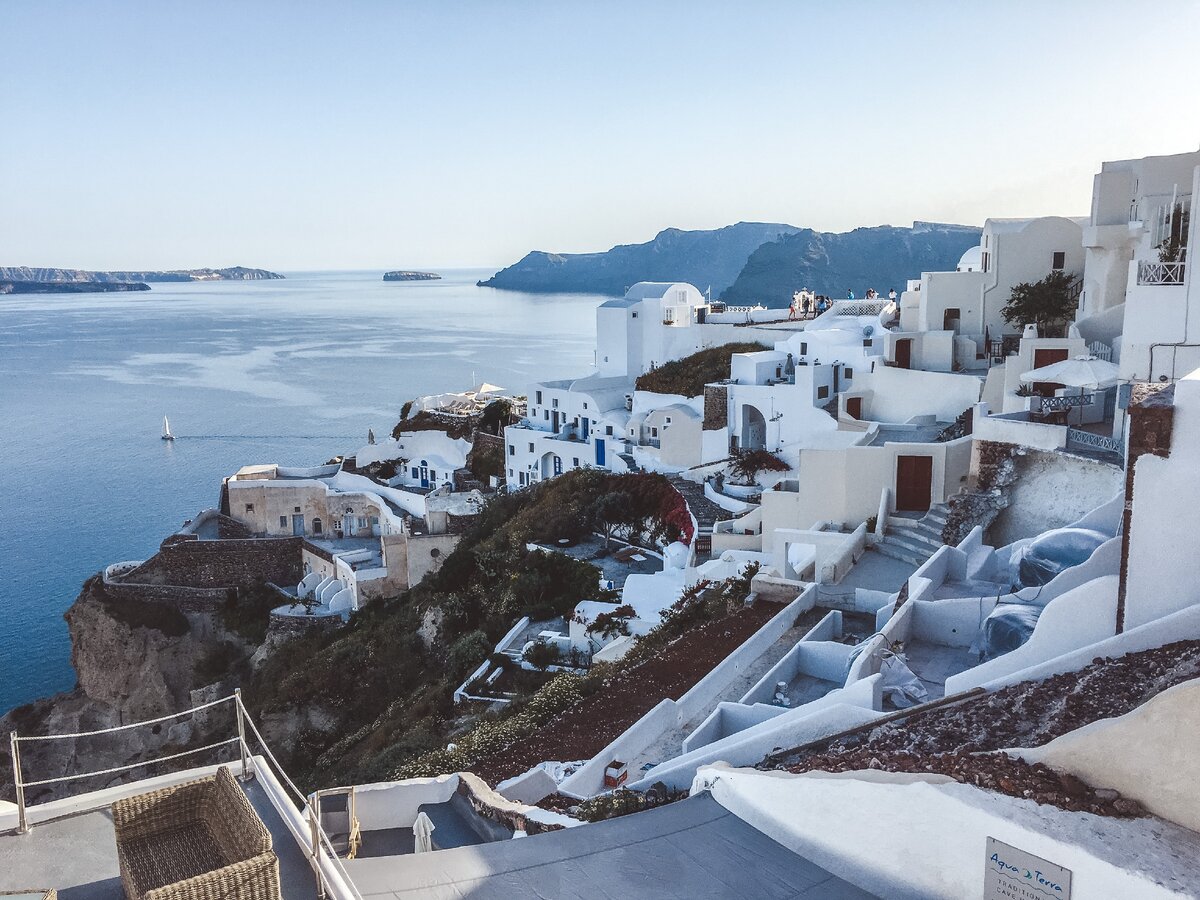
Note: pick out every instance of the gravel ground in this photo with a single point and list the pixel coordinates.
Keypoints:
(956, 741)
(589, 727)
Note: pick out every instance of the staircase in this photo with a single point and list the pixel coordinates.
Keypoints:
(914, 540)
(706, 512)
(630, 462)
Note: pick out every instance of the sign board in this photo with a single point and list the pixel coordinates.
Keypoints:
(1012, 874)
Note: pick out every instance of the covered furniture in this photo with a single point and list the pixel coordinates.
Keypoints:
(199, 840)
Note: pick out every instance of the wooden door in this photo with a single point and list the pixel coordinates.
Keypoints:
(914, 483)
(854, 407)
(904, 353)
(1047, 358)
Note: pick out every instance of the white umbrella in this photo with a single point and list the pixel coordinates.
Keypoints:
(422, 834)
(1080, 372)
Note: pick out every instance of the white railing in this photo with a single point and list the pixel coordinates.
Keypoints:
(1100, 350)
(1150, 272)
(1089, 441)
(320, 851)
(859, 307)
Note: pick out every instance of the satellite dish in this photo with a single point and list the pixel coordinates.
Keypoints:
(868, 330)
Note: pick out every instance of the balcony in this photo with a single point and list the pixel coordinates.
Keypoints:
(1152, 272)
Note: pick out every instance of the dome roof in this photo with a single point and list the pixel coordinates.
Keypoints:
(971, 261)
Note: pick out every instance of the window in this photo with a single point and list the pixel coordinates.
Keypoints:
(531, 447)
(554, 403)
(868, 342)
(432, 475)
(512, 449)
(848, 374)
(1060, 260)
(510, 473)
(416, 473)
(804, 348)
(295, 509)
(823, 392)
(283, 521)
(317, 526)
(538, 396)
(546, 414)
(435, 552)
(360, 523)
(666, 420)
(608, 430)
(585, 404)
(653, 432)
(575, 462)
(635, 313)
(987, 257)
(249, 507)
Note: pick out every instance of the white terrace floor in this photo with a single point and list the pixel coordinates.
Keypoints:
(77, 855)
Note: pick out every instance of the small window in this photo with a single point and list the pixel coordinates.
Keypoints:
(512, 449)
(416, 472)
(1060, 260)
(510, 473)
(868, 342)
(575, 462)
(667, 420)
(360, 523)
(823, 392)
(635, 313)
(531, 448)
(585, 404)
(435, 552)
(249, 507)
(804, 348)
(317, 526)
(295, 509)
(554, 403)
(538, 396)
(848, 374)
(432, 475)
(608, 430)
(283, 521)
(546, 414)
(653, 432)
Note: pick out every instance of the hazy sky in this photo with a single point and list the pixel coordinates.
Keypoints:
(380, 135)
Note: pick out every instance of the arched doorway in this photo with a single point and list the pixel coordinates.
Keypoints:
(754, 428)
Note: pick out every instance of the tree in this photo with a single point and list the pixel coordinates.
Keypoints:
(1173, 246)
(747, 464)
(608, 512)
(1044, 303)
(541, 655)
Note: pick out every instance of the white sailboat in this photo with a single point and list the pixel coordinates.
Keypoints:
(166, 435)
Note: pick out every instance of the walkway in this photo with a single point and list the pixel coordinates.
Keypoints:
(691, 850)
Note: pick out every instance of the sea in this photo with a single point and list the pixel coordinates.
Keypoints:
(291, 371)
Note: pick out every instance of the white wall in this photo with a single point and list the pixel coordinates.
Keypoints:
(912, 837)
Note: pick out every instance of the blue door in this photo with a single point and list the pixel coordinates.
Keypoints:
(297, 524)
(600, 451)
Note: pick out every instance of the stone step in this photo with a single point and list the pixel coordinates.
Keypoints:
(896, 552)
(912, 544)
(929, 543)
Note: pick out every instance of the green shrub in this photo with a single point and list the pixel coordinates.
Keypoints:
(467, 652)
(689, 375)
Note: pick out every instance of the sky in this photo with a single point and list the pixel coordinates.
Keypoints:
(357, 135)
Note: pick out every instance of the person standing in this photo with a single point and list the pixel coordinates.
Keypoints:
(850, 294)
(892, 295)
(794, 308)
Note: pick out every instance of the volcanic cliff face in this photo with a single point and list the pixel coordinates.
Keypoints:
(135, 660)
(78, 276)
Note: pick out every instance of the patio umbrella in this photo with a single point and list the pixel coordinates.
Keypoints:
(422, 834)
(1080, 372)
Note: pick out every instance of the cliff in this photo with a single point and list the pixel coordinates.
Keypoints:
(82, 276)
(884, 257)
(411, 276)
(70, 287)
(703, 258)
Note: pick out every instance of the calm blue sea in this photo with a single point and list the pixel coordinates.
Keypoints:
(291, 371)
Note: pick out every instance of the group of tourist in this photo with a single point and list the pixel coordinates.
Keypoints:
(807, 305)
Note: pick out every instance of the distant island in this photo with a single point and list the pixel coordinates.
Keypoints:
(751, 262)
(69, 287)
(81, 276)
(411, 276)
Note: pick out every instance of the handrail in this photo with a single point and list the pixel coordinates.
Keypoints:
(79, 734)
(320, 840)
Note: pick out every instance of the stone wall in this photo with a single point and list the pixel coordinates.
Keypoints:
(185, 599)
(1051, 490)
(221, 564)
(716, 407)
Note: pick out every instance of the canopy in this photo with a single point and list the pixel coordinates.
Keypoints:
(423, 834)
(1080, 372)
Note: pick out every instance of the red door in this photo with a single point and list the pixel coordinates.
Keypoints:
(914, 483)
(854, 407)
(904, 353)
(1047, 358)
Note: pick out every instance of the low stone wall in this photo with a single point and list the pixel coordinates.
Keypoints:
(492, 805)
(716, 407)
(185, 599)
(222, 564)
(282, 628)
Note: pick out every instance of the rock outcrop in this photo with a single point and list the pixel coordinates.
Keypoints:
(411, 276)
(83, 276)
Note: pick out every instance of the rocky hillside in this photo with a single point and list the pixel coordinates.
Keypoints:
(703, 258)
(234, 273)
(882, 258)
(405, 275)
(70, 287)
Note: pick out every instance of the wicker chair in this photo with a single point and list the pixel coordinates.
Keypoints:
(201, 840)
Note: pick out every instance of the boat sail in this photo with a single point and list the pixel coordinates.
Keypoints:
(166, 435)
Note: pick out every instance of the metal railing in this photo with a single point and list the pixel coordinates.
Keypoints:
(1151, 272)
(1065, 402)
(1087, 440)
(319, 840)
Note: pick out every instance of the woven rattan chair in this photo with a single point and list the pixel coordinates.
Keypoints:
(201, 840)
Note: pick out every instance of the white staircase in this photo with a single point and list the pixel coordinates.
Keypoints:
(914, 540)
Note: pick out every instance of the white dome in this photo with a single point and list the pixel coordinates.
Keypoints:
(971, 261)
